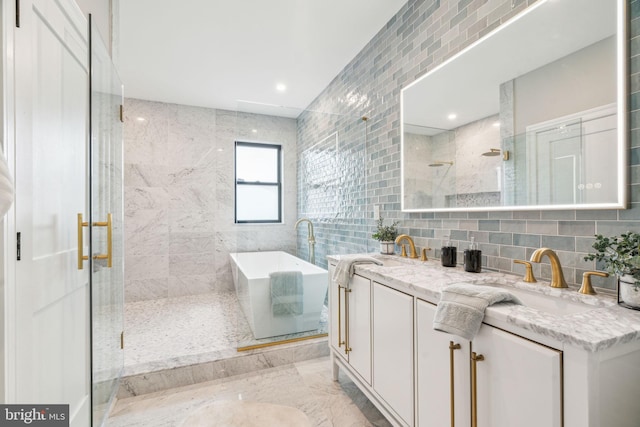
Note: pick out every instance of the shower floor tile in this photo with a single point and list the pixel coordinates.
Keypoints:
(167, 333)
(307, 386)
(157, 331)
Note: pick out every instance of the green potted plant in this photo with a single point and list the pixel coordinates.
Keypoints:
(386, 235)
(621, 256)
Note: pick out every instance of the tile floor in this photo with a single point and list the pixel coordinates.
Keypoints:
(181, 354)
(180, 331)
(306, 385)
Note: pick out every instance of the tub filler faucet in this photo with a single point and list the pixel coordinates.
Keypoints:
(311, 239)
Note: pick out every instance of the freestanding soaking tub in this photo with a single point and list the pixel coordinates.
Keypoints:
(251, 279)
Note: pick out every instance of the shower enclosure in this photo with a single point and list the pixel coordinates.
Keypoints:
(63, 257)
(106, 201)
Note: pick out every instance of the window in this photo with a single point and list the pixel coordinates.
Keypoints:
(258, 183)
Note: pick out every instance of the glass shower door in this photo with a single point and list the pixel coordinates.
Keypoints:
(106, 232)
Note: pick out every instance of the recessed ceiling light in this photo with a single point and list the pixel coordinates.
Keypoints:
(452, 116)
(496, 124)
(281, 87)
(254, 130)
(140, 119)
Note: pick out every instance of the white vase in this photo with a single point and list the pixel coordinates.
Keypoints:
(387, 248)
(629, 291)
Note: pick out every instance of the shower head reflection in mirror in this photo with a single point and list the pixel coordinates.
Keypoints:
(494, 152)
(438, 163)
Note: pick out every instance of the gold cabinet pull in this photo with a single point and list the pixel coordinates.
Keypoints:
(452, 347)
(475, 358)
(347, 349)
(109, 255)
(81, 256)
(340, 342)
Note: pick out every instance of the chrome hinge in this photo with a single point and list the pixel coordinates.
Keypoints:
(122, 340)
(17, 13)
(122, 113)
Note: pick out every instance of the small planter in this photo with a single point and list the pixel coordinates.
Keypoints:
(628, 292)
(387, 248)
(386, 235)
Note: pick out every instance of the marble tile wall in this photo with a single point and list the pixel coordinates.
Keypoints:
(420, 36)
(179, 206)
(477, 173)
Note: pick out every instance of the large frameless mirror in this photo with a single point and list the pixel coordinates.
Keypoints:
(531, 116)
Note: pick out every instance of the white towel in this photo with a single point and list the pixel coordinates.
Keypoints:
(347, 266)
(287, 293)
(461, 307)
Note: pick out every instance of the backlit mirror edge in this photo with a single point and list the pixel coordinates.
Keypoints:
(622, 84)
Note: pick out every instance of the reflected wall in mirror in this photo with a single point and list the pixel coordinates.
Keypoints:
(532, 116)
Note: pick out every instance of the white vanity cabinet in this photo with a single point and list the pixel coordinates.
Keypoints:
(517, 382)
(336, 315)
(393, 375)
(358, 326)
(562, 372)
(442, 374)
(497, 380)
(350, 324)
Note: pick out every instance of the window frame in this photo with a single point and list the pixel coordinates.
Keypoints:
(278, 184)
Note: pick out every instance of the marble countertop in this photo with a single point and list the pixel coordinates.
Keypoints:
(600, 322)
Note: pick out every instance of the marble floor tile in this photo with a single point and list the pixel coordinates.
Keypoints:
(184, 330)
(240, 413)
(306, 386)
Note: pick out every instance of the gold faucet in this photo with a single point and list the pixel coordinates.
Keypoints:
(528, 277)
(557, 278)
(311, 238)
(412, 246)
(586, 287)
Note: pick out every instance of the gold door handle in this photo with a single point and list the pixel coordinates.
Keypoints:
(452, 347)
(475, 358)
(340, 342)
(81, 256)
(347, 349)
(109, 255)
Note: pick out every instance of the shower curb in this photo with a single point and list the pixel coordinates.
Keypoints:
(137, 384)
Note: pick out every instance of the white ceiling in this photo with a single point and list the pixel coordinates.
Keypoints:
(231, 54)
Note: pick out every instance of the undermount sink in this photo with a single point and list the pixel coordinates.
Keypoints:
(386, 262)
(551, 304)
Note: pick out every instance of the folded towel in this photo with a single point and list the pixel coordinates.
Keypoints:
(346, 267)
(287, 293)
(461, 307)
